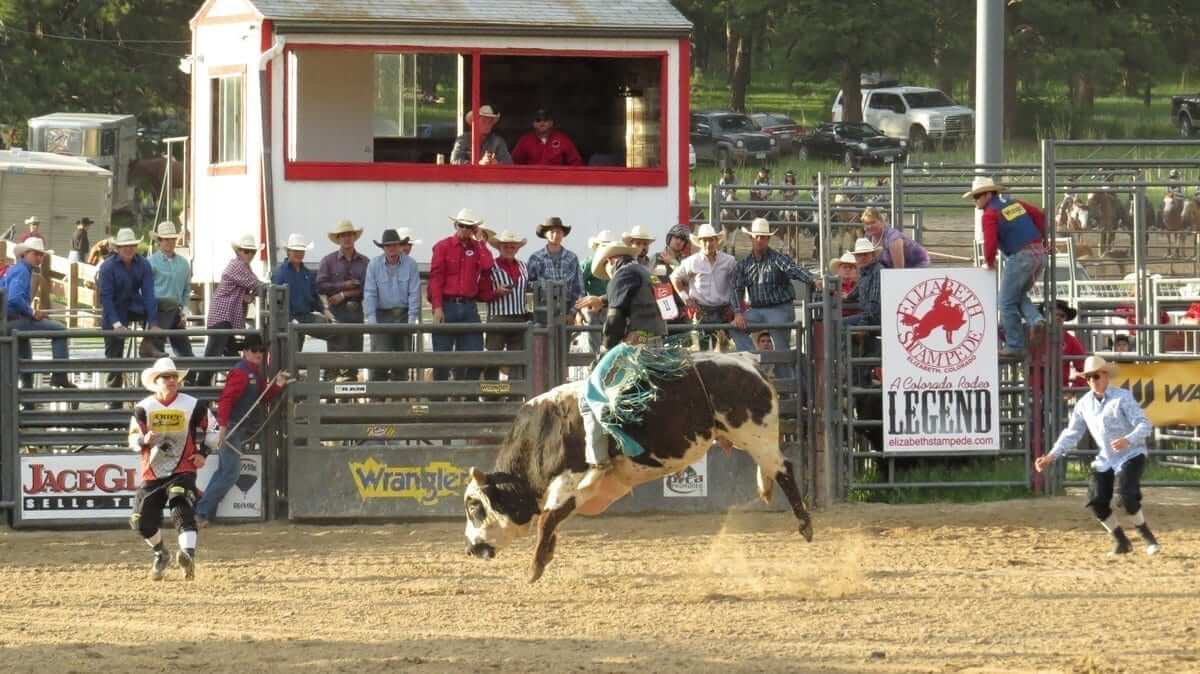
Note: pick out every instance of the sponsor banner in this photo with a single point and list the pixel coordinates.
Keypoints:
(1169, 392)
(102, 486)
(427, 485)
(691, 482)
(940, 375)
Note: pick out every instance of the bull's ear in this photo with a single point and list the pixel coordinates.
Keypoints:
(478, 476)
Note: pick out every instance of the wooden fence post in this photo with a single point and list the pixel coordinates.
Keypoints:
(72, 295)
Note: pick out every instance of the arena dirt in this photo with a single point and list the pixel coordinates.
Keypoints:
(1013, 587)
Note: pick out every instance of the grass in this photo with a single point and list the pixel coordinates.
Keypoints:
(1007, 468)
(1156, 471)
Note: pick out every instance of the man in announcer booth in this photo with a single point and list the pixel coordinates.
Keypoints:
(546, 145)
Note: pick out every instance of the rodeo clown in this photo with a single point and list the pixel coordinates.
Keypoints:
(1120, 428)
(169, 430)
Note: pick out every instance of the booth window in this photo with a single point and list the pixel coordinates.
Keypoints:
(227, 122)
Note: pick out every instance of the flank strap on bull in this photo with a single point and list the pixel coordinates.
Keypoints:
(625, 383)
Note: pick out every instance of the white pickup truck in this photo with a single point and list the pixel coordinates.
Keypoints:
(917, 114)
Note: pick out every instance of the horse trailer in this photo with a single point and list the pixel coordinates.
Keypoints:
(108, 141)
(58, 190)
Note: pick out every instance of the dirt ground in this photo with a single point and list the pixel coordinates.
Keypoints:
(1021, 586)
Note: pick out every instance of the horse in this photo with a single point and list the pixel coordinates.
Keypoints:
(1173, 222)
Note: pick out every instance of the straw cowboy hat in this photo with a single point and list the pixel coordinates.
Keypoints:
(298, 242)
(484, 111)
(126, 237)
(846, 258)
(706, 231)
(342, 227)
(863, 246)
(981, 185)
(34, 243)
(1098, 364)
(552, 222)
(759, 227)
(638, 233)
(507, 236)
(602, 237)
(246, 242)
(402, 236)
(161, 366)
(606, 251)
(467, 217)
(33, 220)
(166, 230)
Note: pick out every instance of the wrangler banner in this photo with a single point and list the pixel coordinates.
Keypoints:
(1169, 392)
(940, 375)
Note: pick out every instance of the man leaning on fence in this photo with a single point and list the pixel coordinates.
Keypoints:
(340, 279)
(705, 280)
(172, 289)
(392, 294)
(460, 275)
(17, 284)
(237, 290)
(126, 283)
(510, 280)
(304, 304)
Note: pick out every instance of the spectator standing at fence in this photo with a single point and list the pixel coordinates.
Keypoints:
(705, 281)
(126, 284)
(595, 289)
(1073, 353)
(168, 431)
(492, 148)
(555, 263)
(765, 276)
(866, 291)
(510, 281)
(846, 270)
(80, 242)
(1120, 428)
(896, 250)
(172, 289)
(33, 227)
(546, 145)
(677, 250)
(1122, 344)
(304, 304)
(237, 290)
(243, 403)
(639, 237)
(391, 295)
(460, 275)
(1017, 229)
(340, 278)
(17, 284)
(762, 344)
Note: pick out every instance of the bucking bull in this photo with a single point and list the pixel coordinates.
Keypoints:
(721, 398)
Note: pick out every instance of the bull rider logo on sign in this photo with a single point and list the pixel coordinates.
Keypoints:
(940, 370)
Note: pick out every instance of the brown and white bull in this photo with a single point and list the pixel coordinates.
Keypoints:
(722, 399)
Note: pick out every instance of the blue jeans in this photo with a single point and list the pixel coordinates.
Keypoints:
(1021, 269)
(781, 338)
(458, 312)
(223, 480)
(58, 345)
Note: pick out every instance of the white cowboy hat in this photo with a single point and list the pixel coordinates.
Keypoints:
(32, 243)
(1097, 364)
(33, 220)
(612, 249)
(342, 227)
(862, 246)
(484, 111)
(467, 217)
(166, 230)
(298, 242)
(638, 233)
(507, 236)
(982, 184)
(161, 366)
(126, 237)
(706, 231)
(846, 258)
(407, 233)
(246, 242)
(759, 227)
(602, 237)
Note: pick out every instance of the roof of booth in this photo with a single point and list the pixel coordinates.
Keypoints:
(624, 18)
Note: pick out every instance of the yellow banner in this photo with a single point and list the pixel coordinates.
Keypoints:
(1169, 392)
(426, 485)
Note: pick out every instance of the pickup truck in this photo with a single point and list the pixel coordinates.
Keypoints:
(1185, 112)
(915, 114)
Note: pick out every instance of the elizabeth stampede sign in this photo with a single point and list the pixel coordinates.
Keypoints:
(940, 371)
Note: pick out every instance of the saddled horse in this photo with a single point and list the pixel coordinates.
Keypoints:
(1174, 205)
(1107, 215)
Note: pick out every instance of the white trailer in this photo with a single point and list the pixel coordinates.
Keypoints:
(58, 190)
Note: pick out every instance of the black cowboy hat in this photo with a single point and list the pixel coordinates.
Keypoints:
(552, 222)
(1066, 308)
(250, 342)
(85, 221)
(543, 113)
(392, 236)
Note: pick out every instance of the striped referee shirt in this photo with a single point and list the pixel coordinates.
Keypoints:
(767, 279)
(512, 304)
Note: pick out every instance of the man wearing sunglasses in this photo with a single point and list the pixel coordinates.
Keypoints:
(1120, 429)
(545, 145)
(460, 276)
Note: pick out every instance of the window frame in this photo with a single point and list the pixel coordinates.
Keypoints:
(473, 173)
(226, 168)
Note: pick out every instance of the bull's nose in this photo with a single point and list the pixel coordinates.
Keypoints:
(481, 550)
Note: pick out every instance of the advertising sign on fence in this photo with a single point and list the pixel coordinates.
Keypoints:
(940, 375)
(102, 487)
(1169, 392)
(690, 482)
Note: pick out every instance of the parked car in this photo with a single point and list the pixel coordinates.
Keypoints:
(691, 156)
(1185, 112)
(782, 128)
(730, 137)
(916, 114)
(851, 142)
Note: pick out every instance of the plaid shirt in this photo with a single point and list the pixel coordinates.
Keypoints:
(768, 280)
(237, 281)
(543, 266)
(866, 293)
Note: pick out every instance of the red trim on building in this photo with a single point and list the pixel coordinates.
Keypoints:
(432, 173)
(476, 79)
(685, 124)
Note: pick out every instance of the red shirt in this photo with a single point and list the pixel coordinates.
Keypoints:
(511, 267)
(460, 269)
(235, 384)
(1073, 354)
(558, 150)
(990, 222)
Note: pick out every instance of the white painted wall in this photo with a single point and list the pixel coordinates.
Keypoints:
(335, 97)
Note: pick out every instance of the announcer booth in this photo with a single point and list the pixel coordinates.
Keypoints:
(307, 112)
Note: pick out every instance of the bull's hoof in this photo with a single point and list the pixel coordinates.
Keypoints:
(536, 572)
(806, 530)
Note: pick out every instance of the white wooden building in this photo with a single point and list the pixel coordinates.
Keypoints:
(309, 111)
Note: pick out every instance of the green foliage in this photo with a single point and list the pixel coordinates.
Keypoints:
(946, 470)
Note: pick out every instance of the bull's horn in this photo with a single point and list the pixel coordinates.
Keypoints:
(478, 476)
